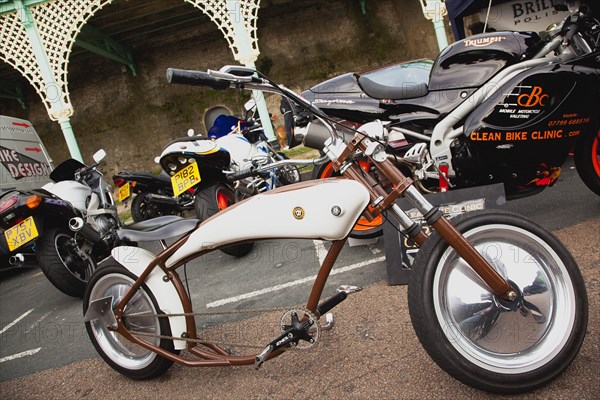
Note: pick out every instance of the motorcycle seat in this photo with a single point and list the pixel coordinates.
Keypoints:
(163, 177)
(158, 228)
(186, 139)
(409, 90)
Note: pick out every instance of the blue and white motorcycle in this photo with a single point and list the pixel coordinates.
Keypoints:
(223, 167)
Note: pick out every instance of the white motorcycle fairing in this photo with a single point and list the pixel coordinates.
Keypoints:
(72, 191)
(242, 152)
(136, 260)
(320, 209)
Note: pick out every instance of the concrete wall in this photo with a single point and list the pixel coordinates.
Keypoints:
(302, 43)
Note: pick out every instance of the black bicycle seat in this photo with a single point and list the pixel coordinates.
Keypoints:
(158, 228)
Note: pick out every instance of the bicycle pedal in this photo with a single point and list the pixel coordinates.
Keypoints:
(348, 289)
(328, 325)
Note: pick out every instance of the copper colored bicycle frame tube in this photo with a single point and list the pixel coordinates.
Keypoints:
(215, 355)
(401, 184)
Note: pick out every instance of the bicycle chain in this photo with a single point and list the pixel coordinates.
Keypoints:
(209, 313)
(203, 341)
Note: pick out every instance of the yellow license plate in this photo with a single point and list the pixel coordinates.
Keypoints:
(124, 192)
(185, 179)
(21, 233)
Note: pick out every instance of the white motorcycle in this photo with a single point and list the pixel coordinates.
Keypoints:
(225, 169)
(72, 224)
(474, 281)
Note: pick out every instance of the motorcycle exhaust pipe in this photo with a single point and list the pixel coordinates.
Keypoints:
(157, 198)
(80, 226)
(17, 260)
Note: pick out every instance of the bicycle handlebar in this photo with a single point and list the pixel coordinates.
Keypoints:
(245, 173)
(195, 78)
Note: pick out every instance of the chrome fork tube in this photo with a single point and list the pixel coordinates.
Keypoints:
(435, 218)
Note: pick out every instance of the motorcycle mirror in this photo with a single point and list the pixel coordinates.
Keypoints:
(99, 155)
(238, 70)
(190, 132)
(249, 105)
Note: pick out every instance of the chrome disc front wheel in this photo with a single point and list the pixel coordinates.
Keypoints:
(486, 341)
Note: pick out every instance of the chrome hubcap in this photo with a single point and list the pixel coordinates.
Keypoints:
(498, 335)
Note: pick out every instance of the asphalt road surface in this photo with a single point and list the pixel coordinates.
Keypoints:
(41, 329)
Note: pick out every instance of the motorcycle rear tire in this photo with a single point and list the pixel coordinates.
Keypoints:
(364, 229)
(487, 342)
(68, 276)
(142, 210)
(211, 200)
(587, 160)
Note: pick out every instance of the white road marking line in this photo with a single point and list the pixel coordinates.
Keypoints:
(290, 284)
(321, 250)
(7, 327)
(20, 355)
(38, 321)
(375, 250)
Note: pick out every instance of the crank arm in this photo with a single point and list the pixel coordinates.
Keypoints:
(341, 295)
(262, 357)
(280, 342)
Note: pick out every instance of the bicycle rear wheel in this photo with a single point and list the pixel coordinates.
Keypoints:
(127, 358)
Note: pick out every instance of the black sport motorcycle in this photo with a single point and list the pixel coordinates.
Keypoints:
(153, 195)
(497, 107)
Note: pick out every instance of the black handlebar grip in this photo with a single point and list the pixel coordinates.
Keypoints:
(245, 173)
(195, 78)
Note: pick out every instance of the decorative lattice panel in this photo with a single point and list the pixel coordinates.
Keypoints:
(58, 23)
(224, 17)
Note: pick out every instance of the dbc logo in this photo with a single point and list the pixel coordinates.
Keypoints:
(533, 99)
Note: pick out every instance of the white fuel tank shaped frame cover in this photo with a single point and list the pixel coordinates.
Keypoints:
(320, 209)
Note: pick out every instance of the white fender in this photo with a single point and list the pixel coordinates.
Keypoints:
(320, 209)
(136, 260)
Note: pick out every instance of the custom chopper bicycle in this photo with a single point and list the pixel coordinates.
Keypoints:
(473, 282)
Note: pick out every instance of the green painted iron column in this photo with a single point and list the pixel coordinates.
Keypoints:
(247, 56)
(54, 94)
(435, 10)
